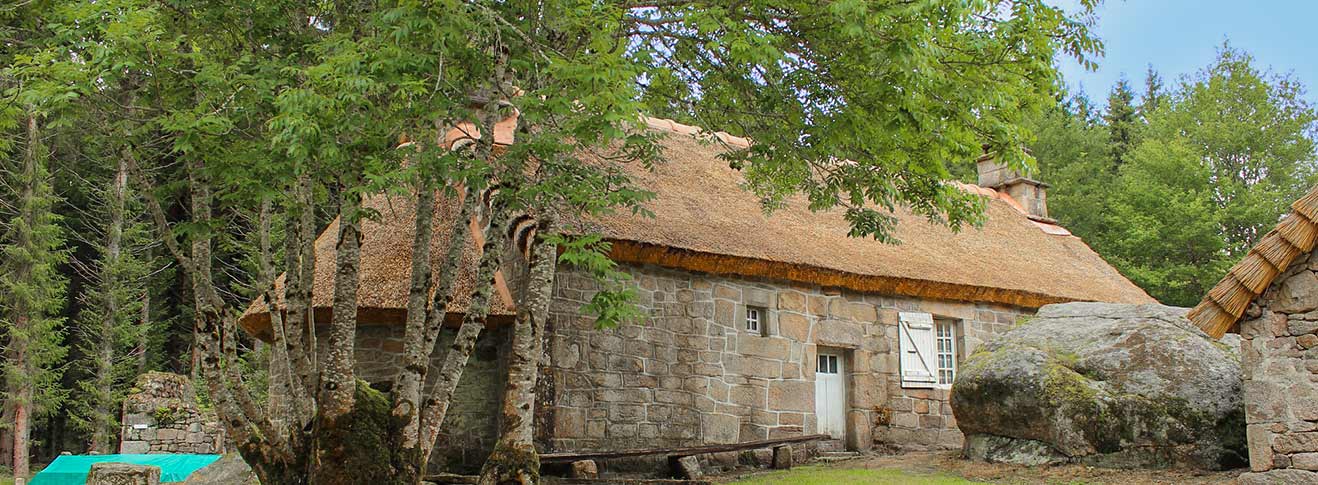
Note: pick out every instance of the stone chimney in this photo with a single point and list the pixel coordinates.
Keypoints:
(1029, 193)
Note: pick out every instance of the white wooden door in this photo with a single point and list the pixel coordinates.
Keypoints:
(830, 395)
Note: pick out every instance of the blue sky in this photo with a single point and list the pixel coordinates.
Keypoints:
(1182, 36)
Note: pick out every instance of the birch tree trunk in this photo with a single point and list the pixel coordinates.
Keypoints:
(473, 323)
(144, 327)
(514, 459)
(334, 436)
(22, 431)
(104, 409)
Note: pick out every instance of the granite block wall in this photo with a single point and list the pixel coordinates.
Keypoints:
(472, 423)
(691, 372)
(1279, 351)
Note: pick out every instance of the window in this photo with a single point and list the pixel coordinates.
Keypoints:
(756, 319)
(945, 336)
(827, 364)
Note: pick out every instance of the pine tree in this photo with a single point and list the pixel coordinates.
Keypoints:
(31, 295)
(111, 324)
(1153, 97)
(1120, 119)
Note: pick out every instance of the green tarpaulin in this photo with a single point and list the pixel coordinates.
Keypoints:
(72, 469)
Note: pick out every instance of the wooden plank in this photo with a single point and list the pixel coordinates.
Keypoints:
(622, 481)
(687, 451)
(451, 479)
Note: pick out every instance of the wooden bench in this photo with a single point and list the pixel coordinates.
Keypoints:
(678, 458)
(677, 452)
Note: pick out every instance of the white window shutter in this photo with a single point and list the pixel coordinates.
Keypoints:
(916, 344)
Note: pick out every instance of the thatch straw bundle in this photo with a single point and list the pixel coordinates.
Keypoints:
(1294, 236)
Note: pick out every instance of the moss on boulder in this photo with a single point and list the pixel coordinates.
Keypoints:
(1107, 385)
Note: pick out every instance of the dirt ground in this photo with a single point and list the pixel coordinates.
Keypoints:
(951, 464)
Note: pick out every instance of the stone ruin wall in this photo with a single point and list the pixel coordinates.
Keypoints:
(691, 374)
(1279, 352)
(160, 415)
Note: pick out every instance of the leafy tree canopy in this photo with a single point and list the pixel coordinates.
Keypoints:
(1211, 166)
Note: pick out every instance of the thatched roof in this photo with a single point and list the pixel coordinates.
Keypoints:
(1221, 308)
(705, 221)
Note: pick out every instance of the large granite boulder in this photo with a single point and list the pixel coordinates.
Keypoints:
(1105, 385)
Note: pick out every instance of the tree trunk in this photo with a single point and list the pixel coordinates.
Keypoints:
(144, 328)
(455, 361)
(334, 432)
(421, 334)
(514, 459)
(22, 435)
(103, 411)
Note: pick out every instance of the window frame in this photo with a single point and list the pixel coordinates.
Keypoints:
(945, 346)
(761, 320)
(827, 364)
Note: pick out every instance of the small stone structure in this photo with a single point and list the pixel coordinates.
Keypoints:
(123, 474)
(161, 416)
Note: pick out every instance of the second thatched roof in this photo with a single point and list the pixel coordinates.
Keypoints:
(1294, 236)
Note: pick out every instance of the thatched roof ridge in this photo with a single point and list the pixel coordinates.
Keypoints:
(1294, 236)
(704, 221)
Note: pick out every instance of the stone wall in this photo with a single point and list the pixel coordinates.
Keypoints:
(472, 425)
(691, 373)
(160, 415)
(1280, 364)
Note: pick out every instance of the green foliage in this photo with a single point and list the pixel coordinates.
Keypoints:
(111, 335)
(1120, 119)
(1073, 156)
(1210, 167)
(1154, 95)
(857, 106)
(165, 416)
(32, 289)
(810, 89)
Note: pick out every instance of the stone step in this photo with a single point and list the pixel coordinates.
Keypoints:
(825, 446)
(832, 456)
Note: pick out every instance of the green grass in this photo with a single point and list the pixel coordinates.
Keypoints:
(817, 475)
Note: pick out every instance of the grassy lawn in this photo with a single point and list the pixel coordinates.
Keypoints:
(818, 475)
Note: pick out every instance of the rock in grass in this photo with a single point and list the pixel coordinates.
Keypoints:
(1106, 385)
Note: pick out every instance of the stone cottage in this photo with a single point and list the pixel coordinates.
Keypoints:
(1271, 299)
(759, 325)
